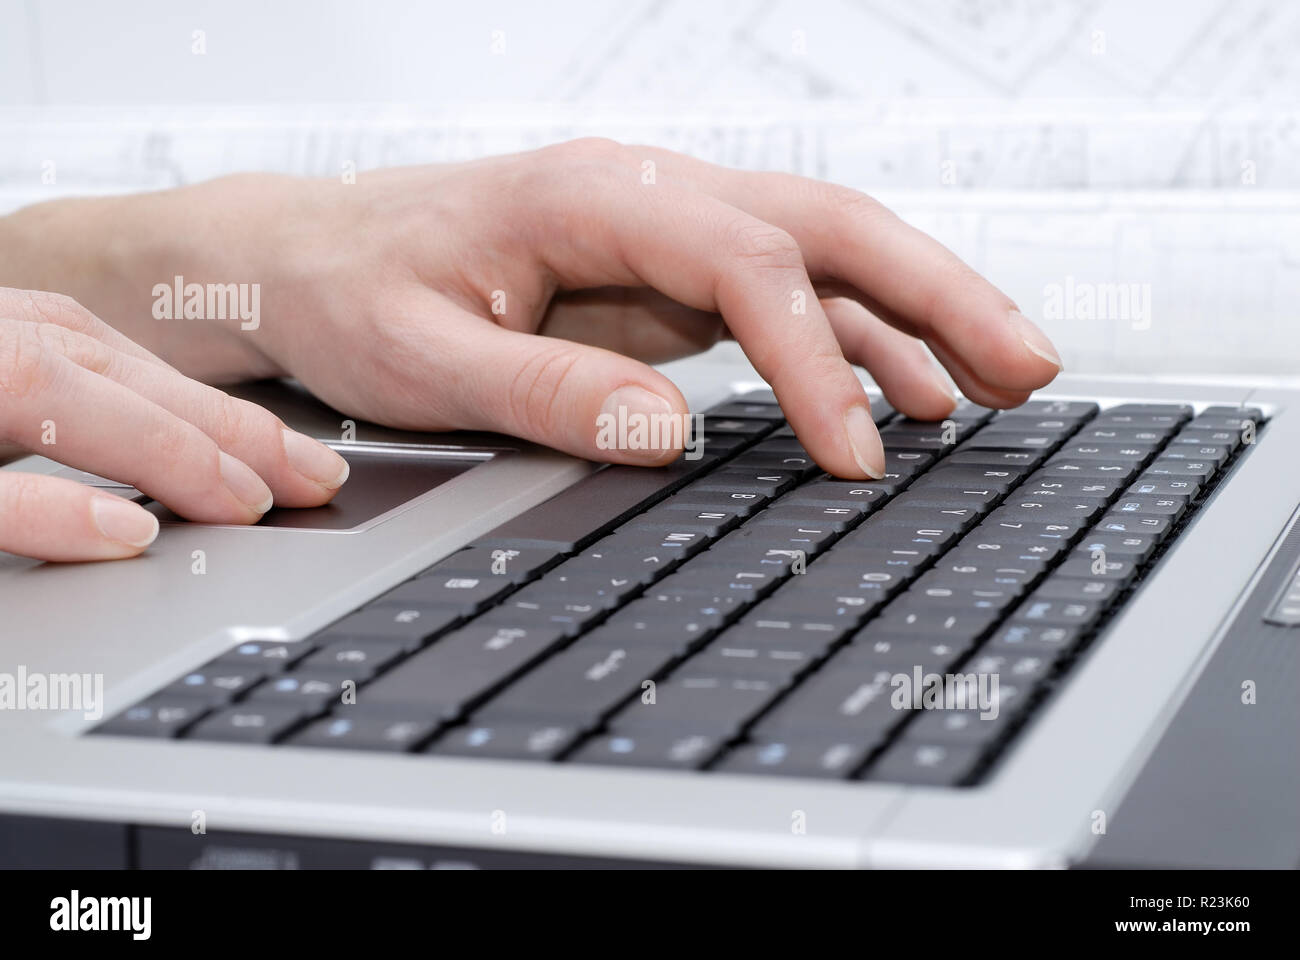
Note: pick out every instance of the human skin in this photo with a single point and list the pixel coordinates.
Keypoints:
(524, 294)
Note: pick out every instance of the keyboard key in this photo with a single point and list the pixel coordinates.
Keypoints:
(266, 655)
(409, 626)
(162, 716)
(924, 763)
(351, 729)
(1032, 638)
(460, 670)
(465, 594)
(650, 749)
(216, 685)
(314, 691)
(248, 723)
(580, 685)
(813, 757)
(353, 661)
(515, 564)
(506, 741)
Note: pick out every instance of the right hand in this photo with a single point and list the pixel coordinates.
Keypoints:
(75, 390)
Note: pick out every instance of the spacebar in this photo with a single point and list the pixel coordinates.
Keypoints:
(579, 514)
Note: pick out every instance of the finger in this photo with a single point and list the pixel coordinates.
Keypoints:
(300, 471)
(640, 323)
(52, 518)
(898, 363)
(89, 422)
(972, 386)
(846, 235)
(38, 306)
(558, 393)
(711, 256)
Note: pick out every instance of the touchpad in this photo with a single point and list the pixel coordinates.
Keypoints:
(378, 482)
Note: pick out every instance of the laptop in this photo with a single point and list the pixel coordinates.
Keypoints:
(1064, 635)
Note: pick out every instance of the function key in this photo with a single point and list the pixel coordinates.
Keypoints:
(161, 715)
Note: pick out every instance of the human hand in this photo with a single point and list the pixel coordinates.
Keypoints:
(77, 391)
(413, 296)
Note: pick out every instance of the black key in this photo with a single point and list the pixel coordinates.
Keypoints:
(650, 749)
(746, 410)
(410, 626)
(580, 685)
(1018, 637)
(980, 499)
(692, 701)
(723, 658)
(956, 476)
(648, 624)
(1058, 587)
(1152, 526)
(1253, 414)
(912, 616)
(1200, 437)
(1037, 486)
(462, 669)
(1166, 486)
(744, 427)
(353, 729)
(833, 519)
(1060, 409)
(1140, 421)
(215, 684)
(1010, 548)
(264, 654)
(641, 566)
(314, 691)
(586, 590)
(907, 461)
(1080, 614)
(1001, 459)
(1008, 528)
(159, 716)
(507, 741)
(933, 538)
(1151, 506)
(1216, 455)
(1109, 452)
(1117, 434)
(838, 493)
(1118, 569)
(958, 727)
(802, 465)
(673, 543)
(741, 502)
(516, 564)
(1120, 471)
(984, 566)
(354, 661)
(1134, 547)
(772, 624)
(1216, 421)
(851, 703)
(716, 573)
(924, 763)
(248, 723)
(1051, 508)
(1011, 440)
(466, 594)
(1180, 411)
(771, 482)
(755, 540)
(876, 649)
(714, 522)
(826, 757)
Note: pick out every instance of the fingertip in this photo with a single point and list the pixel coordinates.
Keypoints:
(127, 525)
(864, 444)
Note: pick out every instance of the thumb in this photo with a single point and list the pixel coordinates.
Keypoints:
(577, 398)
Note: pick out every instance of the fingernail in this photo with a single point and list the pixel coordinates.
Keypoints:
(246, 485)
(314, 460)
(864, 441)
(941, 381)
(123, 521)
(632, 420)
(1034, 339)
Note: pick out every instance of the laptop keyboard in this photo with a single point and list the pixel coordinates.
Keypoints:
(746, 613)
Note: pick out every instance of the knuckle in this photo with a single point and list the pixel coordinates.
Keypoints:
(537, 385)
(758, 245)
(238, 421)
(856, 207)
(590, 149)
(24, 366)
(60, 310)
